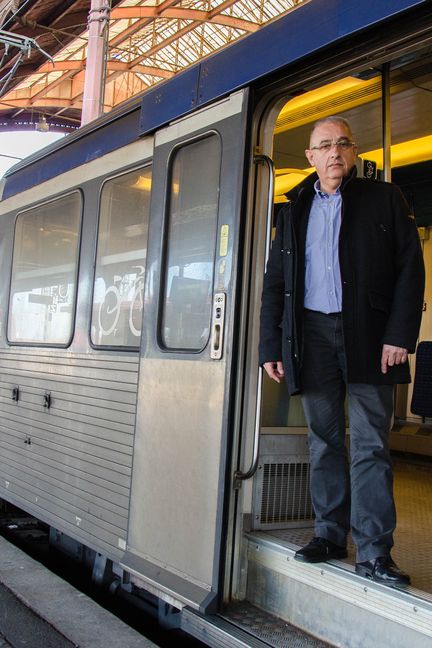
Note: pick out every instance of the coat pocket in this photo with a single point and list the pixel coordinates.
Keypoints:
(379, 302)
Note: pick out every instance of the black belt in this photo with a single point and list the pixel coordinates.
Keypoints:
(336, 314)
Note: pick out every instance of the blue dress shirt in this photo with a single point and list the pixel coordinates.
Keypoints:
(323, 286)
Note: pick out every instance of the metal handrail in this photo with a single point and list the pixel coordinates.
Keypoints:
(240, 475)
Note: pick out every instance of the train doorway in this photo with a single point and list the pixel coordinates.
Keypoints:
(389, 110)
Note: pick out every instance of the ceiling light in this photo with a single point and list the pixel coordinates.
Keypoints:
(42, 125)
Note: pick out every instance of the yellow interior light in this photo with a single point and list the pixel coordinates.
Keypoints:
(143, 183)
(410, 152)
(327, 100)
(287, 179)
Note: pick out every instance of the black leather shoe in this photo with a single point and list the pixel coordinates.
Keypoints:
(383, 570)
(320, 550)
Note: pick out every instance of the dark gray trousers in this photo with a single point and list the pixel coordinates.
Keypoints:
(356, 494)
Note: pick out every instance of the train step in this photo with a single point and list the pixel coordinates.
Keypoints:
(331, 602)
(242, 625)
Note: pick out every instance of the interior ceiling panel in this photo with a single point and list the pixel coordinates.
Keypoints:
(148, 41)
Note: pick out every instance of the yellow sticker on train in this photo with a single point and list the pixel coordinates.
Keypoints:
(223, 245)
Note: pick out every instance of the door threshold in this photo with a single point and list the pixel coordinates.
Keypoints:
(243, 625)
(330, 601)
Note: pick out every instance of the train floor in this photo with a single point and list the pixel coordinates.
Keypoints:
(413, 496)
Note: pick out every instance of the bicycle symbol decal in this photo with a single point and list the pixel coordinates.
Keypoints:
(115, 297)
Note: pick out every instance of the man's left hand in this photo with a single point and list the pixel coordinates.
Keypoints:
(392, 355)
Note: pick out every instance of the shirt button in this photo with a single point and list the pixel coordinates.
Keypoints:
(288, 251)
(288, 294)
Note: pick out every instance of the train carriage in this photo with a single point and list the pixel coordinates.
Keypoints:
(135, 420)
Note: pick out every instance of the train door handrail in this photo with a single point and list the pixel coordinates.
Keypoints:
(240, 475)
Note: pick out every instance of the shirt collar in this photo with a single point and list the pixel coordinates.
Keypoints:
(323, 194)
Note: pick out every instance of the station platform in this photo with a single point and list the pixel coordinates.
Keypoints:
(39, 609)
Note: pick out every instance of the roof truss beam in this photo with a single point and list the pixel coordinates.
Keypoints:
(149, 42)
(182, 13)
(120, 66)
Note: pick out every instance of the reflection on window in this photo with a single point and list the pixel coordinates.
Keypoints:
(121, 258)
(191, 238)
(44, 270)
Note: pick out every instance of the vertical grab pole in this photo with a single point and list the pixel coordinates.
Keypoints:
(240, 475)
(386, 120)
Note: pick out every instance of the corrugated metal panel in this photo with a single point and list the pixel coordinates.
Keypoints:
(70, 465)
(80, 367)
(117, 472)
(89, 485)
(33, 414)
(110, 542)
(97, 509)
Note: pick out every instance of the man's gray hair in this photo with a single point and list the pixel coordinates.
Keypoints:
(337, 119)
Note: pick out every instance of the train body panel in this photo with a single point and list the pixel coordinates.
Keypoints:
(73, 460)
(76, 471)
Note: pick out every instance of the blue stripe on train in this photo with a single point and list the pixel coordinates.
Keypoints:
(299, 33)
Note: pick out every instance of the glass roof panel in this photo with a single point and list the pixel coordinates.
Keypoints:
(163, 36)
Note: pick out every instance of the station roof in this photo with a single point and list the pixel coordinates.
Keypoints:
(42, 79)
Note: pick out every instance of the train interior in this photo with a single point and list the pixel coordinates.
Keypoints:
(282, 516)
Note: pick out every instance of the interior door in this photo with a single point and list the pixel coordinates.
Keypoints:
(179, 463)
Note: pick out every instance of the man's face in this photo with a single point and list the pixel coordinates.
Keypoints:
(335, 163)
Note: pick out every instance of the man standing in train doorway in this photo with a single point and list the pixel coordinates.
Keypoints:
(341, 310)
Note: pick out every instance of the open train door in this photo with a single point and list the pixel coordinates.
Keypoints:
(177, 499)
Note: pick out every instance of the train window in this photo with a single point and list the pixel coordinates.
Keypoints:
(44, 271)
(190, 245)
(120, 260)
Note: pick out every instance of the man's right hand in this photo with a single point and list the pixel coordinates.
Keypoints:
(274, 370)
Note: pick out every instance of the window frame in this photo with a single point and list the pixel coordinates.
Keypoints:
(52, 345)
(118, 174)
(165, 241)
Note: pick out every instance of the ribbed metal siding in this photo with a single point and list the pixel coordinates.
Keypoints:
(70, 465)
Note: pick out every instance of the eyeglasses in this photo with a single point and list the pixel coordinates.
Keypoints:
(327, 145)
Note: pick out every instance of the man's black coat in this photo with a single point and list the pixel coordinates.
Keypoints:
(382, 276)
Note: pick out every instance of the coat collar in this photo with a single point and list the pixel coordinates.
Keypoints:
(305, 189)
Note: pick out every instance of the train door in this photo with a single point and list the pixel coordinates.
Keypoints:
(187, 356)
(277, 498)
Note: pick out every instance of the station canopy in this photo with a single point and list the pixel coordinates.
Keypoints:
(43, 50)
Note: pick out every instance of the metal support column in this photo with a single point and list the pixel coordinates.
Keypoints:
(401, 391)
(386, 120)
(96, 60)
